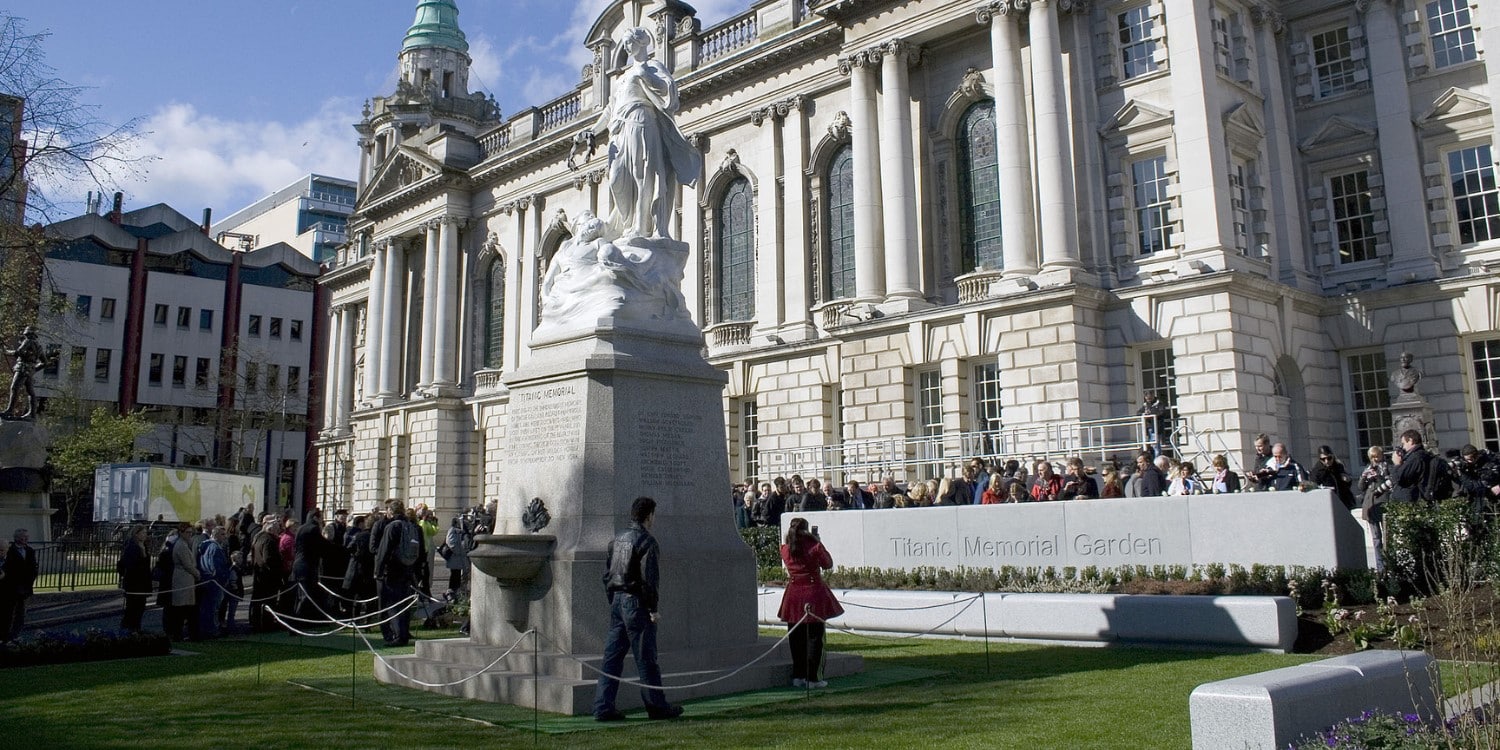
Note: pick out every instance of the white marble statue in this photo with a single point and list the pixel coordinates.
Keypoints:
(592, 277)
(648, 156)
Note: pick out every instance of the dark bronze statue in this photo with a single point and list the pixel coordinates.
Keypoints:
(29, 358)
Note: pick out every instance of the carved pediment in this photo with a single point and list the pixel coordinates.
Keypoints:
(404, 169)
(1337, 130)
(1244, 120)
(1136, 116)
(1453, 105)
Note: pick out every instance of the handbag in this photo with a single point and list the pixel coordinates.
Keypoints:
(445, 550)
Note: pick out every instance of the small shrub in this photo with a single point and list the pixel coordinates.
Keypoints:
(63, 647)
(1383, 730)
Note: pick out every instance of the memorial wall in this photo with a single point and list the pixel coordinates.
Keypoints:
(1272, 528)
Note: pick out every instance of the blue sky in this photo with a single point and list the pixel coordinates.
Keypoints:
(241, 98)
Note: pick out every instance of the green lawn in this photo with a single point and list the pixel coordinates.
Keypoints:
(286, 692)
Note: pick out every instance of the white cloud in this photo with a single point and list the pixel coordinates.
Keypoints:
(202, 160)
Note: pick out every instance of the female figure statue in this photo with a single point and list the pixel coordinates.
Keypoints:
(648, 156)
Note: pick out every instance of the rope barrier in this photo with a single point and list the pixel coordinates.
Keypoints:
(460, 681)
(968, 603)
(911, 609)
(341, 597)
(638, 683)
(250, 600)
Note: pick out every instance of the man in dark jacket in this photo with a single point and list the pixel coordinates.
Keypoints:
(397, 580)
(335, 556)
(15, 588)
(631, 584)
(310, 548)
(270, 573)
(1409, 468)
(1151, 482)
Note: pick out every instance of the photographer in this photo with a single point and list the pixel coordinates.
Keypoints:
(1374, 490)
(1478, 474)
(1409, 468)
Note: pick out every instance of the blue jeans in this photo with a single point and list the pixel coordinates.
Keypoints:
(393, 590)
(630, 628)
(209, 596)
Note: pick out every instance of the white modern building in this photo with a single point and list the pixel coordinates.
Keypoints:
(142, 311)
(311, 215)
(932, 229)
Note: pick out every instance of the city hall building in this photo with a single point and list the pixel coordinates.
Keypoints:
(928, 229)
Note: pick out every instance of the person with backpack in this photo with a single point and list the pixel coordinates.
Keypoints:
(213, 569)
(401, 550)
(1410, 469)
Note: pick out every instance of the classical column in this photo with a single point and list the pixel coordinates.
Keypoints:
(375, 318)
(898, 177)
(393, 350)
(1018, 224)
(770, 267)
(347, 325)
(445, 369)
(1289, 256)
(430, 317)
(794, 198)
(1400, 161)
(1054, 171)
(331, 396)
(510, 351)
(869, 269)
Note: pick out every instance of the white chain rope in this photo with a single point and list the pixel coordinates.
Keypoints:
(341, 597)
(850, 631)
(250, 600)
(405, 676)
(353, 622)
(404, 604)
(638, 683)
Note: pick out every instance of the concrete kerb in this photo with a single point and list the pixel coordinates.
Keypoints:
(1272, 709)
(1264, 623)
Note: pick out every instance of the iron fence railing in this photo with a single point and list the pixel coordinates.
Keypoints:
(77, 564)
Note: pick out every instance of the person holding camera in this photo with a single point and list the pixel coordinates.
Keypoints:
(1374, 490)
(807, 602)
(1409, 468)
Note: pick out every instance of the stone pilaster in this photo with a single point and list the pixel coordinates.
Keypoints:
(429, 311)
(1054, 173)
(869, 269)
(375, 319)
(445, 312)
(1018, 230)
(898, 177)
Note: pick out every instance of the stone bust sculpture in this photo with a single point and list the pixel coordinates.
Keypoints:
(1406, 377)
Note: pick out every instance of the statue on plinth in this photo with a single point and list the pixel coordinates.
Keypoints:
(1409, 411)
(29, 357)
(628, 267)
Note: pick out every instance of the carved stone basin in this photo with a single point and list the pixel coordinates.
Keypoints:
(512, 559)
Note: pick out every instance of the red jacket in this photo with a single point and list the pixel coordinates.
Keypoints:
(805, 591)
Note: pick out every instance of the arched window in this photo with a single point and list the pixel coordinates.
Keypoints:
(736, 271)
(840, 276)
(979, 188)
(494, 314)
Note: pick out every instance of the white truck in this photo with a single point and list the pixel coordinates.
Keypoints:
(124, 493)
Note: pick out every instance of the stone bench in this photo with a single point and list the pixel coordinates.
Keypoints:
(1267, 623)
(1275, 708)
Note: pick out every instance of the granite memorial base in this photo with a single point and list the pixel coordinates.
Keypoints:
(597, 419)
(23, 488)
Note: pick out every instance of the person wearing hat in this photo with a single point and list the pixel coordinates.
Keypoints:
(29, 358)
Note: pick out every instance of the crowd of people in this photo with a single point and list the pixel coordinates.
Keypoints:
(311, 571)
(1150, 473)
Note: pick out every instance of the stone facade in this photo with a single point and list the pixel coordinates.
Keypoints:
(1252, 207)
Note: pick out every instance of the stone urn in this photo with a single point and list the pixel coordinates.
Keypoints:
(515, 561)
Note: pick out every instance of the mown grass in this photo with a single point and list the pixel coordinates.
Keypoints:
(238, 693)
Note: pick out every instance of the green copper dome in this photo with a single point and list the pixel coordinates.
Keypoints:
(436, 26)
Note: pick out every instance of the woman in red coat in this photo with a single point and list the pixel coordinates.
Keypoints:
(807, 602)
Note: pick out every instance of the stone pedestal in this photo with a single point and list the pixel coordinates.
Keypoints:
(23, 488)
(597, 418)
(1412, 412)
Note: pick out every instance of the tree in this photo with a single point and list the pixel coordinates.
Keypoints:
(50, 138)
(107, 439)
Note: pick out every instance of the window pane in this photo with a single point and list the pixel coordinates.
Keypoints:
(1452, 32)
(1370, 399)
(494, 332)
(1353, 216)
(1333, 62)
(1152, 204)
(1476, 201)
(736, 218)
(979, 186)
(840, 281)
(1137, 47)
(1486, 356)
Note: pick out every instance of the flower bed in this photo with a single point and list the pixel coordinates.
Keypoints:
(62, 647)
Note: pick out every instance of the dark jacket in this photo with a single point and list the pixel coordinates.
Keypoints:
(267, 557)
(361, 559)
(633, 566)
(310, 544)
(1334, 476)
(20, 571)
(134, 568)
(1152, 483)
(1408, 478)
(387, 562)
